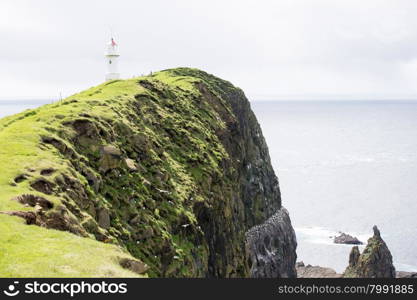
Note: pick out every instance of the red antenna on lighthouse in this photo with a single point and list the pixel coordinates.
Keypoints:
(113, 43)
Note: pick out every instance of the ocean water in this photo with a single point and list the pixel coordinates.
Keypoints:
(10, 107)
(345, 166)
(342, 166)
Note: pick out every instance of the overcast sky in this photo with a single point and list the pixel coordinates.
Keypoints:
(278, 49)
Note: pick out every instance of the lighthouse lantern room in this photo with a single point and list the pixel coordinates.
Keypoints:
(112, 56)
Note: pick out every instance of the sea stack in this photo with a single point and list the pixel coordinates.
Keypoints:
(374, 262)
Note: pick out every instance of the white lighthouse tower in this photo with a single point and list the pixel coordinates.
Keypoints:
(112, 57)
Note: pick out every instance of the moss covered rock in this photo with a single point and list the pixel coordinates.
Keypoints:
(171, 169)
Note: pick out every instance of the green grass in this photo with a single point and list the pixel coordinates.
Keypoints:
(27, 251)
(169, 129)
(31, 251)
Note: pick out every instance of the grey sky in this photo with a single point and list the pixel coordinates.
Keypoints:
(280, 49)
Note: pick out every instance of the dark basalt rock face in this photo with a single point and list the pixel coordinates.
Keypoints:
(272, 246)
(374, 262)
(256, 194)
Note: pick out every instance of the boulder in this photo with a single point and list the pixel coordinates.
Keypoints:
(402, 274)
(344, 238)
(134, 265)
(130, 164)
(110, 158)
(310, 271)
(103, 218)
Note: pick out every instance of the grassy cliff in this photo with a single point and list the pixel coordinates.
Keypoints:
(167, 170)
(374, 262)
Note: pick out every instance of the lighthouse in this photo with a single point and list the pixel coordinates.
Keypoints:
(112, 56)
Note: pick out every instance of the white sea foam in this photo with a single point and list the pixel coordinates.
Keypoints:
(325, 236)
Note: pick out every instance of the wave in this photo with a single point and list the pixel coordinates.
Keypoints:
(322, 235)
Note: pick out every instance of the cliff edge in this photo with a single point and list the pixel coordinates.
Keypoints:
(160, 175)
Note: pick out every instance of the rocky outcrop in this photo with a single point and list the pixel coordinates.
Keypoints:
(172, 168)
(271, 247)
(344, 238)
(402, 274)
(134, 265)
(310, 271)
(374, 262)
